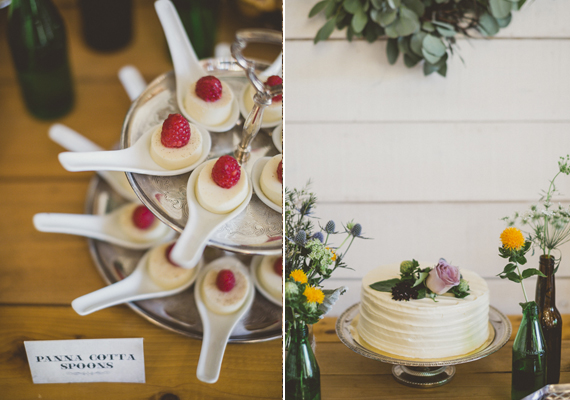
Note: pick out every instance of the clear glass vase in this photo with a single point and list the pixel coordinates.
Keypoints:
(302, 374)
(529, 355)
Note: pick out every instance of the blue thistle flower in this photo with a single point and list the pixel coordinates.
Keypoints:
(320, 236)
(301, 238)
(329, 227)
(356, 230)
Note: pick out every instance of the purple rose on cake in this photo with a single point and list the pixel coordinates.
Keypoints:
(443, 277)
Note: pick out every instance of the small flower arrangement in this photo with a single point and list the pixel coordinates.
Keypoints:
(549, 225)
(514, 248)
(310, 259)
(417, 283)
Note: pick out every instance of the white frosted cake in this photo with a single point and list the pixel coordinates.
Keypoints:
(424, 328)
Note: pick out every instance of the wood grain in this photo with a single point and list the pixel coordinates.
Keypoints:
(248, 370)
(348, 375)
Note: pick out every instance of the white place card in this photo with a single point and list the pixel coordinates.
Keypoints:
(86, 360)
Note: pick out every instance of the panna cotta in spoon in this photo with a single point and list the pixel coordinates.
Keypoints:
(164, 272)
(224, 289)
(273, 112)
(270, 275)
(176, 144)
(209, 101)
(222, 185)
(271, 180)
(139, 224)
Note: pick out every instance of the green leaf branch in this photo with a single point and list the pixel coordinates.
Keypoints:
(421, 30)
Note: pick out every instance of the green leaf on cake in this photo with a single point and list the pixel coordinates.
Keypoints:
(385, 286)
(421, 278)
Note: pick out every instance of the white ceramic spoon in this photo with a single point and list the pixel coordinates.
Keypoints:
(201, 225)
(101, 227)
(187, 68)
(132, 81)
(135, 159)
(217, 328)
(254, 267)
(255, 176)
(73, 141)
(277, 136)
(275, 68)
(137, 286)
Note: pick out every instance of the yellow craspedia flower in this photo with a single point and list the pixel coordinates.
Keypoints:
(333, 258)
(512, 239)
(314, 295)
(298, 276)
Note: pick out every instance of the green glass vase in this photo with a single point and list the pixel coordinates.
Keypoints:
(529, 355)
(302, 374)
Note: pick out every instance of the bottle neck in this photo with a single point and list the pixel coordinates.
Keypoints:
(545, 287)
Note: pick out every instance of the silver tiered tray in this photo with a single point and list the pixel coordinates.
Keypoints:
(177, 313)
(258, 230)
(423, 373)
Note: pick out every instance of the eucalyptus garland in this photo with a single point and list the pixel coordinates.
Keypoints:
(422, 30)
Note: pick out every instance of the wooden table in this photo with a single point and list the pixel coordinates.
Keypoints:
(41, 273)
(348, 375)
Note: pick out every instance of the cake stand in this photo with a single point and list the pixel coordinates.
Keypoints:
(422, 373)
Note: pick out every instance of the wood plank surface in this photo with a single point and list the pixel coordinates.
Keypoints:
(249, 371)
(348, 375)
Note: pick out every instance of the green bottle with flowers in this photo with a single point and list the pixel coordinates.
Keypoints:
(529, 363)
(549, 229)
(310, 259)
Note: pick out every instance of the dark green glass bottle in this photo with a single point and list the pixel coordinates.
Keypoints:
(200, 20)
(549, 317)
(529, 355)
(38, 43)
(302, 373)
(107, 24)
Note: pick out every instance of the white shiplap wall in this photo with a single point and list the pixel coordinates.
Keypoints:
(429, 165)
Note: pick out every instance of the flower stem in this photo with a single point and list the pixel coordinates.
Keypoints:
(522, 285)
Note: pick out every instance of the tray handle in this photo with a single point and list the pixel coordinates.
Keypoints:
(264, 93)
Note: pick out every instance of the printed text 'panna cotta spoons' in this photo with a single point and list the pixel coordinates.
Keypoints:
(136, 158)
(73, 141)
(188, 71)
(219, 324)
(203, 223)
(147, 281)
(117, 227)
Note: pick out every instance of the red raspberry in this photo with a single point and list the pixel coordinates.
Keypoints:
(209, 88)
(175, 131)
(225, 280)
(280, 171)
(278, 266)
(226, 172)
(274, 80)
(167, 255)
(142, 217)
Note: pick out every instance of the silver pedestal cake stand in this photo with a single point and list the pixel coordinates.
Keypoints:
(422, 373)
